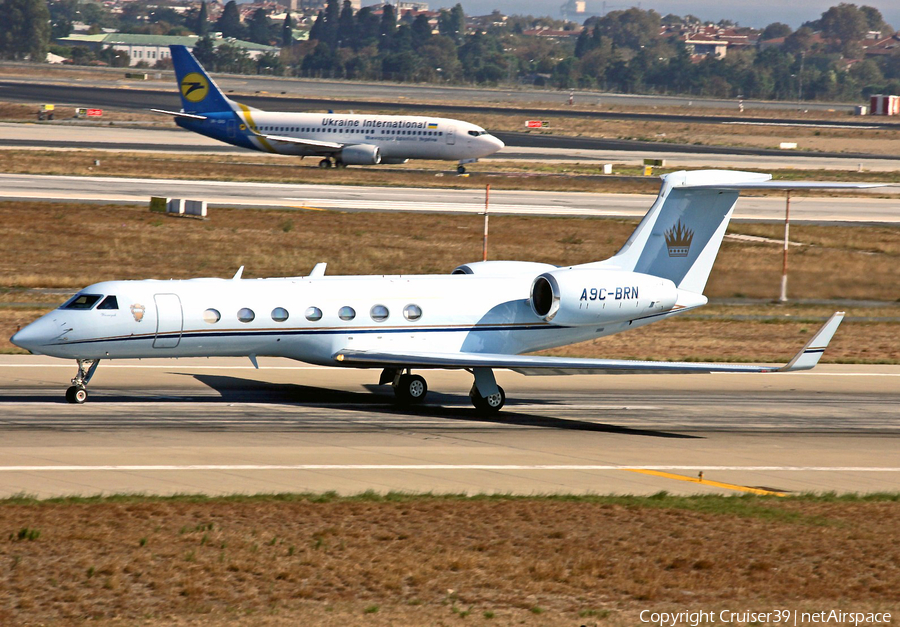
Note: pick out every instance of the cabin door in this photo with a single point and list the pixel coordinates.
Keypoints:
(169, 321)
(450, 135)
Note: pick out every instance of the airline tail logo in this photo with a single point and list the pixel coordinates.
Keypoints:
(678, 240)
(194, 87)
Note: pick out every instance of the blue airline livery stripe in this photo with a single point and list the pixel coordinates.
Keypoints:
(331, 331)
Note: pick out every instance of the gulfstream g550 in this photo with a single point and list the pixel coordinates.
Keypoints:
(481, 316)
(340, 139)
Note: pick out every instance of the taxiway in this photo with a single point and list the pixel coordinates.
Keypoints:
(218, 426)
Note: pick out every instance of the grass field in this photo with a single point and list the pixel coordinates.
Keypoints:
(423, 560)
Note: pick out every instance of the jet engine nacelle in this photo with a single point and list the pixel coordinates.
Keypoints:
(503, 268)
(361, 154)
(577, 297)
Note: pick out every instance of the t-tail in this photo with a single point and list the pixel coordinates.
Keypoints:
(680, 236)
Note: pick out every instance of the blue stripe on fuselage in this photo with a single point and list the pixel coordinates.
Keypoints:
(224, 126)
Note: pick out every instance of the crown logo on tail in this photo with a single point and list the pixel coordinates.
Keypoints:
(678, 240)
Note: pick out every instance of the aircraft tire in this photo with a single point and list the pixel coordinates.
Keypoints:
(325, 164)
(76, 395)
(411, 388)
(460, 169)
(490, 405)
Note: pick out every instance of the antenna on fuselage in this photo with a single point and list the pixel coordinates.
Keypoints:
(237, 275)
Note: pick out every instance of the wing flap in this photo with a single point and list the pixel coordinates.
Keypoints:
(310, 143)
(807, 358)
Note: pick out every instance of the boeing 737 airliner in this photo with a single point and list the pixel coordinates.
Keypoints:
(482, 316)
(342, 139)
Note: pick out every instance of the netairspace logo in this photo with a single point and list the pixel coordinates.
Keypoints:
(783, 617)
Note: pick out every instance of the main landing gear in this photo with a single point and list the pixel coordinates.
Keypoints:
(328, 163)
(486, 395)
(78, 392)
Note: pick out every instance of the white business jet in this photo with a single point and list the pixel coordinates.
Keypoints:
(482, 316)
(341, 139)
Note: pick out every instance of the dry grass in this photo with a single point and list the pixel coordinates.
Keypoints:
(425, 560)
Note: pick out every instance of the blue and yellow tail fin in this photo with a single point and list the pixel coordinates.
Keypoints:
(199, 93)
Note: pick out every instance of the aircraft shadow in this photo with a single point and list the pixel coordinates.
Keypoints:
(449, 406)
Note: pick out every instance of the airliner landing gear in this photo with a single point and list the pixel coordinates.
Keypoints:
(486, 395)
(488, 404)
(460, 169)
(325, 163)
(78, 392)
(409, 388)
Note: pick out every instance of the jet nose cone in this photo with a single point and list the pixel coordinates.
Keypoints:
(26, 338)
(499, 144)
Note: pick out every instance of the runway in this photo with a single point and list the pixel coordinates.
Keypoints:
(359, 198)
(520, 147)
(218, 426)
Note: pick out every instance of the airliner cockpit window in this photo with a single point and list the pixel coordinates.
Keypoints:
(109, 302)
(82, 301)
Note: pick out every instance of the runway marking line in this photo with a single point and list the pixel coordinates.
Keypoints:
(659, 470)
(698, 480)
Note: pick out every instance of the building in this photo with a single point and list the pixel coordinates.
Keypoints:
(152, 48)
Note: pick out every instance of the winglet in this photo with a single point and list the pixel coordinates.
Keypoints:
(807, 358)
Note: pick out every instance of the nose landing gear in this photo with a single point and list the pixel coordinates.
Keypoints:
(77, 393)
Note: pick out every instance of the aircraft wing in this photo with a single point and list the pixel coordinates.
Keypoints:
(310, 143)
(806, 359)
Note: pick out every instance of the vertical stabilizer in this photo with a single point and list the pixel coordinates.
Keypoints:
(199, 93)
(680, 236)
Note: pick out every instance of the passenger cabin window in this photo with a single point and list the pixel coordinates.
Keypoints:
(379, 313)
(313, 314)
(109, 302)
(211, 316)
(82, 301)
(347, 313)
(280, 314)
(412, 312)
(246, 314)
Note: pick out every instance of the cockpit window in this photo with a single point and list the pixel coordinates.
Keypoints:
(82, 301)
(109, 302)
(477, 133)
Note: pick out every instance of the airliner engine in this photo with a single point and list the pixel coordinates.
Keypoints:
(575, 297)
(360, 154)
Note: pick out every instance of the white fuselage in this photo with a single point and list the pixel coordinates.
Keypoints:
(397, 137)
(278, 317)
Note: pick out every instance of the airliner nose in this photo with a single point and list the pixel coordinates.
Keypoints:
(31, 337)
(499, 144)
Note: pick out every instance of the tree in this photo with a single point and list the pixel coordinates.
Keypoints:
(259, 30)
(287, 31)
(421, 31)
(346, 31)
(205, 52)
(633, 28)
(844, 24)
(387, 27)
(368, 29)
(24, 29)
(452, 23)
(332, 21)
(231, 58)
(229, 23)
(774, 31)
(201, 26)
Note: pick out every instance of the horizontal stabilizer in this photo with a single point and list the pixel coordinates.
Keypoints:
(180, 114)
(538, 365)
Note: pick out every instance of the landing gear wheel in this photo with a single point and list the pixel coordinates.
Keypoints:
(76, 395)
(325, 164)
(460, 169)
(411, 388)
(340, 165)
(490, 404)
